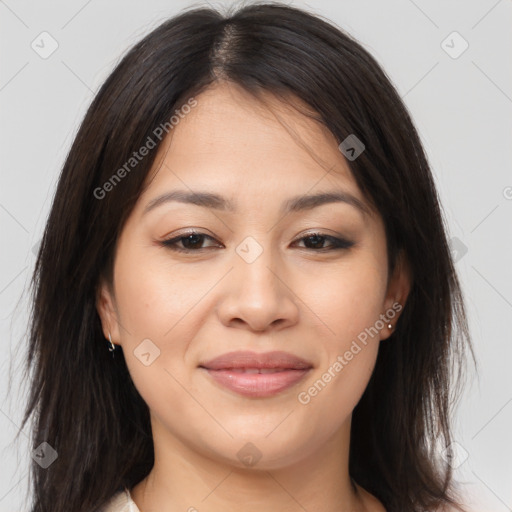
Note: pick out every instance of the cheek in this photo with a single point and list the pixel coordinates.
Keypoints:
(155, 300)
(159, 316)
(349, 302)
(348, 298)
(338, 386)
(349, 356)
(156, 315)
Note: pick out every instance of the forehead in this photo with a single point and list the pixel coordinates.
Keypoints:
(233, 138)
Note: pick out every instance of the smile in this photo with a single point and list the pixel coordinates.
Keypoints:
(257, 382)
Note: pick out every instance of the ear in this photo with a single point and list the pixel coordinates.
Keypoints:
(106, 307)
(399, 286)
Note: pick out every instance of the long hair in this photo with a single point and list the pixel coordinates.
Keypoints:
(83, 402)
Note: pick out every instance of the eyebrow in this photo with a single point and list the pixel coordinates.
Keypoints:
(292, 205)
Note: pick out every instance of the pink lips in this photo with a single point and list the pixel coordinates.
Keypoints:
(257, 375)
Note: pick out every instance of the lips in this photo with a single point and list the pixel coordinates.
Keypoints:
(257, 375)
(245, 360)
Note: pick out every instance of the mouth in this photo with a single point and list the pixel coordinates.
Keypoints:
(257, 375)
(254, 370)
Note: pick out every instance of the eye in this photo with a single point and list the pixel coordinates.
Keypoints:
(317, 242)
(194, 241)
(189, 242)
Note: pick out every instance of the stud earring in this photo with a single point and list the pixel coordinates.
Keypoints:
(390, 326)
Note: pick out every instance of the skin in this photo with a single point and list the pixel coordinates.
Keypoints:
(294, 297)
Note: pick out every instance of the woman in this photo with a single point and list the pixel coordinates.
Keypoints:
(248, 217)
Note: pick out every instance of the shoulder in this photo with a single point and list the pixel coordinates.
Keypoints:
(120, 502)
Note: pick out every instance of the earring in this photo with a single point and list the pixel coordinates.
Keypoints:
(390, 326)
(112, 347)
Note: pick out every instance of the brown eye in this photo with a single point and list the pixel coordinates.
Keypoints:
(195, 242)
(320, 242)
(189, 242)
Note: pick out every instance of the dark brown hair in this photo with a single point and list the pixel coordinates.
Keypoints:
(84, 403)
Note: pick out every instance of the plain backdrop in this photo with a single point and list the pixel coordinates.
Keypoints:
(450, 61)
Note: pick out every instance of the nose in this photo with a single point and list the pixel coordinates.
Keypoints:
(257, 297)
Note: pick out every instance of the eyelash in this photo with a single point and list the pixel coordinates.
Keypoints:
(336, 243)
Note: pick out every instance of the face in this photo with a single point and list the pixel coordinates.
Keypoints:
(282, 254)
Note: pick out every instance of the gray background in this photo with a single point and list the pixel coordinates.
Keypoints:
(462, 107)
